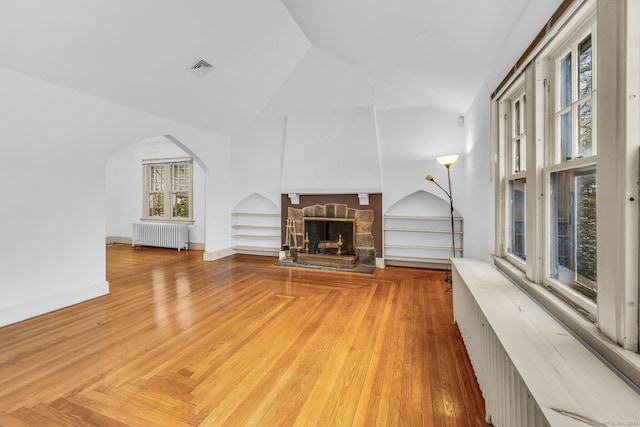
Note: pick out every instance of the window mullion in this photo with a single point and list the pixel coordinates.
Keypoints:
(168, 192)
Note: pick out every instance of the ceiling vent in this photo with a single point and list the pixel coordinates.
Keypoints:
(200, 68)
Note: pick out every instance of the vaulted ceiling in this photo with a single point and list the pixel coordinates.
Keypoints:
(270, 57)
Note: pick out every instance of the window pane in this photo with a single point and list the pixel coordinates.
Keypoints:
(565, 136)
(565, 81)
(181, 177)
(518, 143)
(518, 146)
(156, 204)
(523, 118)
(156, 180)
(585, 57)
(181, 205)
(585, 128)
(517, 220)
(516, 115)
(573, 223)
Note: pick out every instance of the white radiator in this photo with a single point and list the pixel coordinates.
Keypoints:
(508, 402)
(175, 236)
(531, 371)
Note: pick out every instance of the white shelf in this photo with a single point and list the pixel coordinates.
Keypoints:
(421, 240)
(257, 250)
(416, 230)
(438, 248)
(256, 227)
(256, 214)
(430, 218)
(256, 233)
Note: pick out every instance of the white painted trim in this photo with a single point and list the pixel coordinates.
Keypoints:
(363, 198)
(430, 263)
(49, 303)
(196, 246)
(631, 325)
(214, 255)
(380, 263)
(111, 240)
(617, 133)
(295, 198)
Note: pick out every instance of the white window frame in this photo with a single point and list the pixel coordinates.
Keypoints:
(576, 298)
(507, 134)
(542, 157)
(572, 47)
(168, 189)
(553, 150)
(611, 328)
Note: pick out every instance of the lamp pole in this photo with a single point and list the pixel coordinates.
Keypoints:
(453, 238)
(447, 161)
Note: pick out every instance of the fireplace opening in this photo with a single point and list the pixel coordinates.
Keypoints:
(329, 235)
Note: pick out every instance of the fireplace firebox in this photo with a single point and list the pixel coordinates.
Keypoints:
(333, 235)
(324, 234)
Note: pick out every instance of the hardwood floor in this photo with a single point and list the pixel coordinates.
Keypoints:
(242, 342)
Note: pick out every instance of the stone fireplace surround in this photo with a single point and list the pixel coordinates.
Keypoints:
(340, 206)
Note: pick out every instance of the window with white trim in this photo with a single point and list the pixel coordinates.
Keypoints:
(561, 175)
(168, 190)
(582, 147)
(513, 133)
(571, 171)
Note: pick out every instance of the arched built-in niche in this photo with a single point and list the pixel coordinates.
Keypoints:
(417, 231)
(256, 226)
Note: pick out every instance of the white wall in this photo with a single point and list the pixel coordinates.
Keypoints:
(479, 198)
(479, 227)
(256, 161)
(125, 187)
(55, 146)
(410, 140)
(331, 152)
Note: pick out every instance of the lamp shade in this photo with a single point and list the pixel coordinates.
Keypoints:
(447, 160)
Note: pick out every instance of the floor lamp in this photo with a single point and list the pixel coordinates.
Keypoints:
(447, 161)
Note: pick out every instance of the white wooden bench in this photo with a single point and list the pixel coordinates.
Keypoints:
(531, 370)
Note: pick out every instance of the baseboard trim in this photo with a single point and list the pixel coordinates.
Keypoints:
(33, 308)
(112, 240)
(214, 255)
(256, 250)
(432, 264)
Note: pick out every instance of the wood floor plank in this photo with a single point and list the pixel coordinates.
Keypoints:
(86, 415)
(241, 341)
(368, 402)
(9, 420)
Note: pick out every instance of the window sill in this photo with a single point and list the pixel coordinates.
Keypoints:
(625, 361)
